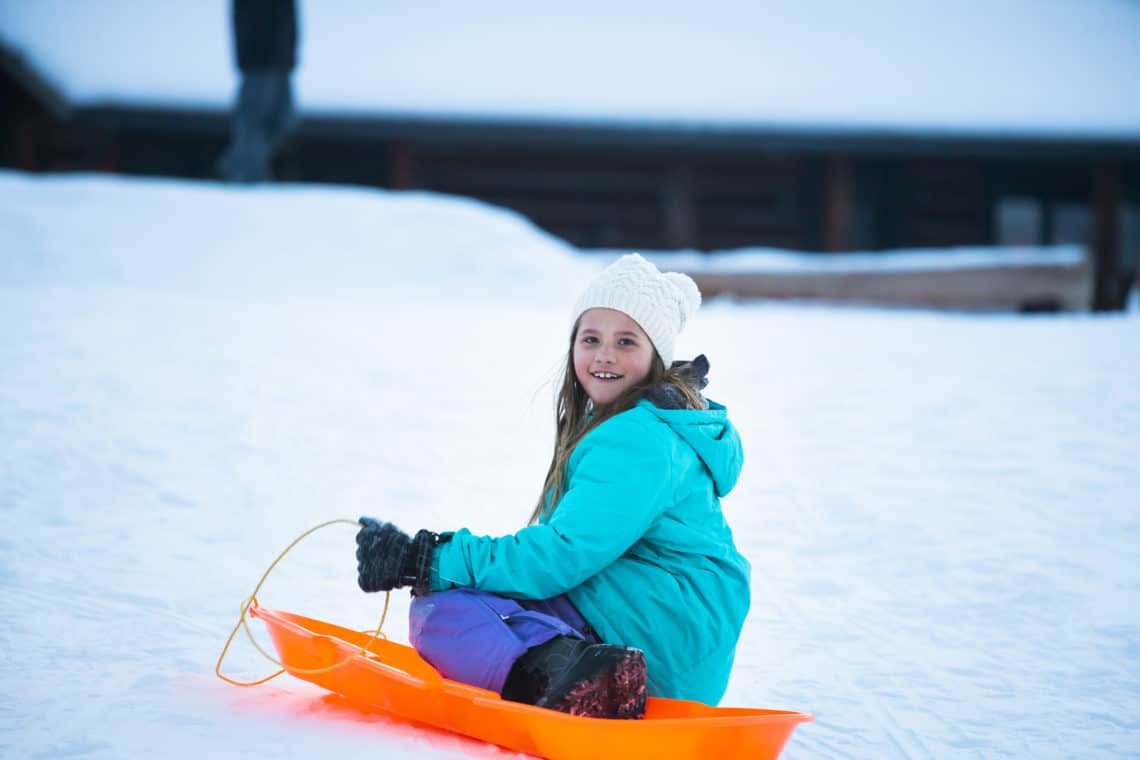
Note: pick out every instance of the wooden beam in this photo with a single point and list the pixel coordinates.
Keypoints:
(401, 166)
(29, 138)
(838, 204)
(1111, 291)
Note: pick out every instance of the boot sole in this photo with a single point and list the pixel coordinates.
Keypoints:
(629, 688)
(618, 692)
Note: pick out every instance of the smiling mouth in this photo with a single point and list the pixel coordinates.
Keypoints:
(605, 376)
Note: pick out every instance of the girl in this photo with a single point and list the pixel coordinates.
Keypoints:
(626, 581)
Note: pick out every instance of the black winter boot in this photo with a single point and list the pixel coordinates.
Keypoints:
(576, 677)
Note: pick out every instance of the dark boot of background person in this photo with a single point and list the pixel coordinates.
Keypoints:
(260, 121)
(265, 46)
(576, 677)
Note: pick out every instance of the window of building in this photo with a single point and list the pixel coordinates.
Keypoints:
(1072, 224)
(1130, 239)
(1018, 221)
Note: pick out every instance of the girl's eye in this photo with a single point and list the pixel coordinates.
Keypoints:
(628, 342)
(589, 339)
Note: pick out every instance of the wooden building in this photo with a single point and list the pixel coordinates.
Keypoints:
(651, 186)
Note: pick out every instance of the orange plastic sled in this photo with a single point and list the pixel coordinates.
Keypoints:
(394, 679)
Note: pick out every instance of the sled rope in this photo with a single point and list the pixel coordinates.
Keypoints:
(251, 601)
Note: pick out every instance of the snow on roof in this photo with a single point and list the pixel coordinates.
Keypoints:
(1021, 68)
(777, 261)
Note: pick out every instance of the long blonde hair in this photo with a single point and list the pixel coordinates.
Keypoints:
(575, 416)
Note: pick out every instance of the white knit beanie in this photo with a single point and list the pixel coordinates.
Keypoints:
(660, 302)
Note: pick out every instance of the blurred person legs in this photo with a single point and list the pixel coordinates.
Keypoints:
(265, 49)
(262, 116)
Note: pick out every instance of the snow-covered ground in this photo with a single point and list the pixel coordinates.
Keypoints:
(941, 510)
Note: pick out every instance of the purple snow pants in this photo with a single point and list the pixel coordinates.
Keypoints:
(475, 637)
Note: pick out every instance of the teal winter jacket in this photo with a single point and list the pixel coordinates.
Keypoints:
(638, 542)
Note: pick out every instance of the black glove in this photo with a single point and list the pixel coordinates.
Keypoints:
(386, 558)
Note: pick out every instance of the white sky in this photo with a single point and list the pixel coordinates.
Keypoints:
(1022, 67)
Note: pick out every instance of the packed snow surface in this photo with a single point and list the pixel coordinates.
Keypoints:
(940, 509)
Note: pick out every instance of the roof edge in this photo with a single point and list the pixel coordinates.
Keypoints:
(43, 92)
(543, 133)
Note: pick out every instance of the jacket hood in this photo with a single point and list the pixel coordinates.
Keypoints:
(711, 435)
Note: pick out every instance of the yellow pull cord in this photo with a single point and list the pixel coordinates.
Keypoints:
(251, 601)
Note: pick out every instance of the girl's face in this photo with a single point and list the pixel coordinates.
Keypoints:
(611, 353)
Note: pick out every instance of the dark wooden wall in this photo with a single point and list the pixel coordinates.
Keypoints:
(603, 199)
(640, 197)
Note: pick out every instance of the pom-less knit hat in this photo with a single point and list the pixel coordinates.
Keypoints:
(660, 302)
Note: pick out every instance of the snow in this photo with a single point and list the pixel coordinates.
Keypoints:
(1028, 68)
(772, 260)
(940, 508)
